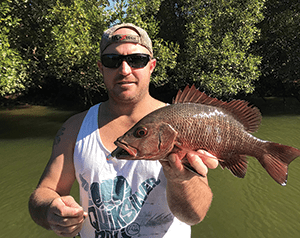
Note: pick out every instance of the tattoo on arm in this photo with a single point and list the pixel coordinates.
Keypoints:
(58, 135)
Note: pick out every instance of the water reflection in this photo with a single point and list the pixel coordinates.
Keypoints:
(32, 122)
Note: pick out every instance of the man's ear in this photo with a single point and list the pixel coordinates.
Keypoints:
(100, 66)
(152, 65)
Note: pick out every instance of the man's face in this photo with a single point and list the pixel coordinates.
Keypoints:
(127, 84)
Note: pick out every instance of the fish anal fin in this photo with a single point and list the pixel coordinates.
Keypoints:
(237, 165)
(247, 115)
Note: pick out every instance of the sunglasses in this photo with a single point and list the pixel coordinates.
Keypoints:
(136, 61)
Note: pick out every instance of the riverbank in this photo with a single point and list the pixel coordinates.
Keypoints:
(24, 101)
(70, 101)
(271, 106)
(275, 106)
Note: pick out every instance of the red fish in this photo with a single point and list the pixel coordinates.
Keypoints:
(197, 121)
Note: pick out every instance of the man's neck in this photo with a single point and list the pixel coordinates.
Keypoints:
(133, 110)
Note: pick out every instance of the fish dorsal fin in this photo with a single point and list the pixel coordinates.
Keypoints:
(249, 116)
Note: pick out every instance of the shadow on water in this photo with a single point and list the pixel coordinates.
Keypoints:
(31, 122)
(275, 106)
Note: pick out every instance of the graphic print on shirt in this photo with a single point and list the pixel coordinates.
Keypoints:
(113, 207)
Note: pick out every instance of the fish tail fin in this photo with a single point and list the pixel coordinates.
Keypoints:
(276, 160)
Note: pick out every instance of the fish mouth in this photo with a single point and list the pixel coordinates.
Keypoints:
(123, 151)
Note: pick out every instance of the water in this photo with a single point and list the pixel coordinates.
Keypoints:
(255, 206)
(26, 137)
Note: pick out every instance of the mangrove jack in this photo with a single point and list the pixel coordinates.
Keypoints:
(197, 121)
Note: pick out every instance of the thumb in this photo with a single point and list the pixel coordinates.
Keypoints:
(72, 207)
(69, 201)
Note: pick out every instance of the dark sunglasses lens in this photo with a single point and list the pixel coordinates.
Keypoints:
(138, 61)
(111, 61)
(134, 60)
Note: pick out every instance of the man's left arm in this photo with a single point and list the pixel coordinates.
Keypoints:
(188, 195)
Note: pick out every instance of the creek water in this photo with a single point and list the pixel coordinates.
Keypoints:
(255, 206)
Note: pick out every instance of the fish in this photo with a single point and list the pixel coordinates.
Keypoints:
(196, 121)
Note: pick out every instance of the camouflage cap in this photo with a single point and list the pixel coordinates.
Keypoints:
(109, 38)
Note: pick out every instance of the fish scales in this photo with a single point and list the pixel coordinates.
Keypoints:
(213, 129)
(196, 121)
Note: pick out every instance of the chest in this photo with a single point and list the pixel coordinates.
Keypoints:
(111, 131)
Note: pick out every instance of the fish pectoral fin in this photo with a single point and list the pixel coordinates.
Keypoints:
(237, 165)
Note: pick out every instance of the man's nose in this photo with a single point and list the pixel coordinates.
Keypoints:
(125, 68)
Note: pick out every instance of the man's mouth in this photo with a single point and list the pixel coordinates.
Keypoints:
(126, 82)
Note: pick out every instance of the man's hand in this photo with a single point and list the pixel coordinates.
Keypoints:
(189, 196)
(200, 160)
(65, 216)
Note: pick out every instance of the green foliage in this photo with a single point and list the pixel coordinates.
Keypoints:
(53, 45)
(73, 52)
(215, 49)
(60, 41)
(280, 48)
(30, 37)
(12, 66)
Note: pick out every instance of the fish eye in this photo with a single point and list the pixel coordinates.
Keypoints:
(141, 132)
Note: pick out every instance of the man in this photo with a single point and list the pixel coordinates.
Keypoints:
(119, 198)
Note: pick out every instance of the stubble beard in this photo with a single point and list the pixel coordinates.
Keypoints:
(128, 96)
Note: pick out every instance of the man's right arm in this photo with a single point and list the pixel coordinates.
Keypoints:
(50, 204)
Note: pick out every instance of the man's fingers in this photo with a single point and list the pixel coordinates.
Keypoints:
(208, 159)
(65, 216)
(65, 221)
(177, 165)
(173, 168)
(70, 231)
(201, 160)
(66, 207)
(211, 163)
(197, 164)
(67, 227)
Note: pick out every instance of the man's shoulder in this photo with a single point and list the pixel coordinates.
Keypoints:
(76, 118)
(73, 124)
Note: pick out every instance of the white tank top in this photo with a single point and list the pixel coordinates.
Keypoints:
(122, 198)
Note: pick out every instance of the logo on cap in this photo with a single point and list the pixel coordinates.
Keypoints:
(123, 38)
